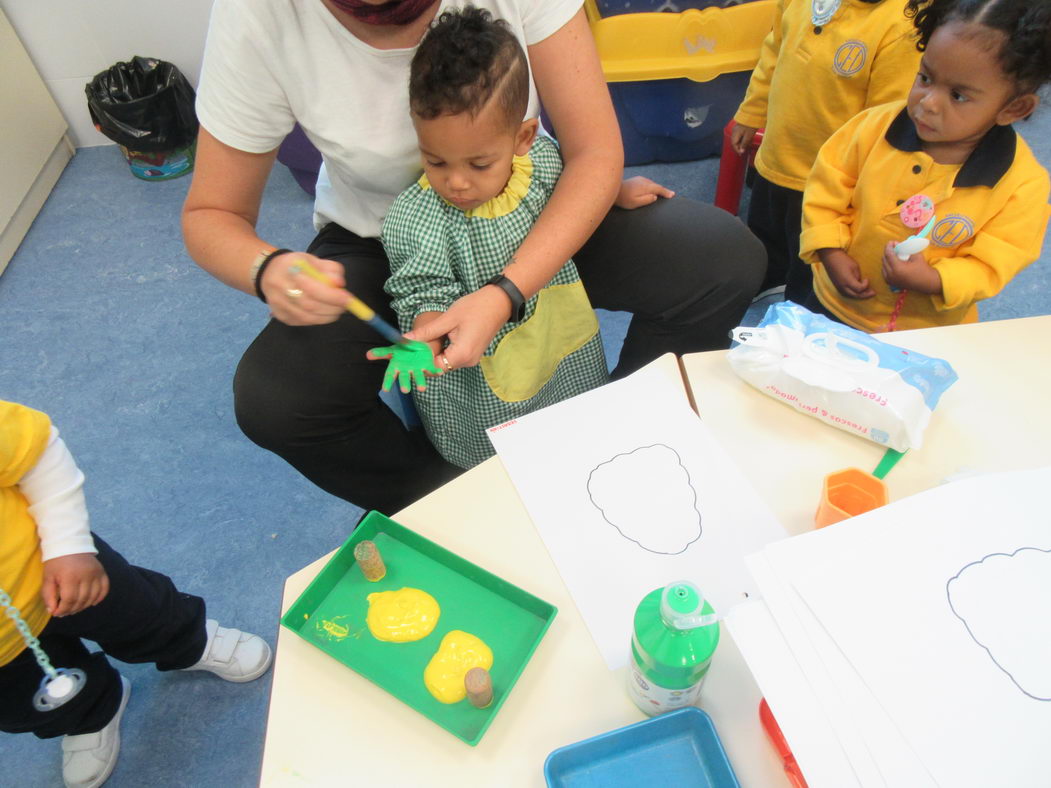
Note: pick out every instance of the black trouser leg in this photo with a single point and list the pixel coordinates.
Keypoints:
(309, 395)
(144, 618)
(687, 272)
(775, 215)
(814, 305)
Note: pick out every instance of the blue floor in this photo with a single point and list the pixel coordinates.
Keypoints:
(107, 326)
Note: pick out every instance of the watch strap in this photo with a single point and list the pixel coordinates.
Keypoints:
(518, 302)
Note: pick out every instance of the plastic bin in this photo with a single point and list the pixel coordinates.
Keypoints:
(677, 79)
(146, 106)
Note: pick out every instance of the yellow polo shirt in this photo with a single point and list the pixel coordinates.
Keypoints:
(811, 80)
(24, 435)
(991, 213)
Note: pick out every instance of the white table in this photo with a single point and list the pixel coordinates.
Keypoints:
(995, 417)
(329, 726)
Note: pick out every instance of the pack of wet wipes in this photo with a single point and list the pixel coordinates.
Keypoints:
(843, 376)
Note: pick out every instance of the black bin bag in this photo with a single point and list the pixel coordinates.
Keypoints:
(146, 106)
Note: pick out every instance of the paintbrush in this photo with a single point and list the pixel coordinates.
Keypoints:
(355, 305)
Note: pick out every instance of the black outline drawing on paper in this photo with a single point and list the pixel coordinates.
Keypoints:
(619, 491)
(1008, 673)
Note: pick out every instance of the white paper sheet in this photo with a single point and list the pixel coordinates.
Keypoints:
(788, 692)
(825, 692)
(941, 603)
(874, 745)
(630, 492)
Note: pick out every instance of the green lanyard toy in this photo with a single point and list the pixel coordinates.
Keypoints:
(59, 685)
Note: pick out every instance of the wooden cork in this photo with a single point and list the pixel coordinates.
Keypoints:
(369, 559)
(479, 686)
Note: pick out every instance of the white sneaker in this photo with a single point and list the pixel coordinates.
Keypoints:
(88, 758)
(233, 655)
(770, 291)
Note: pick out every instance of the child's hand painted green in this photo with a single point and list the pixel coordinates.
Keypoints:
(410, 363)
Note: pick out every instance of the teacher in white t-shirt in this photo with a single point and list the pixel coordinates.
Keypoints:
(339, 68)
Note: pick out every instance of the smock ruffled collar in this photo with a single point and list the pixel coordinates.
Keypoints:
(507, 200)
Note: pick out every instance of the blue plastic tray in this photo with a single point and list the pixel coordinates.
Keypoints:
(680, 748)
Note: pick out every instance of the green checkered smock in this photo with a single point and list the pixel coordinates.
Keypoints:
(438, 253)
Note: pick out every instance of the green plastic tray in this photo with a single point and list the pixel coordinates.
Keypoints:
(510, 620)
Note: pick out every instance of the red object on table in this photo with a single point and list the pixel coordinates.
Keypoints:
(773, 730)
(732, 169)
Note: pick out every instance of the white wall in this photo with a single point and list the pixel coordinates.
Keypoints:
(70, 41)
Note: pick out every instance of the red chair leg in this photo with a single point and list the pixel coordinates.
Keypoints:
(732, 169)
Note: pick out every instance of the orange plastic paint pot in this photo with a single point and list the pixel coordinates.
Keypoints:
(847, 493)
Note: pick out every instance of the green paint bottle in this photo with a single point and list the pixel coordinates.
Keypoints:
(675, 635)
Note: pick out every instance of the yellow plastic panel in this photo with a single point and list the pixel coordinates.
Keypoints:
(697, 45)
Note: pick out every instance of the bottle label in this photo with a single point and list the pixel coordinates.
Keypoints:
(654, 699)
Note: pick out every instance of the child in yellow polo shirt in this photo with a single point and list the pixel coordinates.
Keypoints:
(822, 63)
(948, 158)
(65, 584)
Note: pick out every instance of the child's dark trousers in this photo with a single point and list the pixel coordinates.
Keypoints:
(775, 215)
(144, 618)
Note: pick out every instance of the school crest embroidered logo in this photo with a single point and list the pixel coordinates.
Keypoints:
(953, 230)
(850, 58)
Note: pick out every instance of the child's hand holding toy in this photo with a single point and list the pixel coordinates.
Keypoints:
(73, 583)
(904, 266)
(913, 273)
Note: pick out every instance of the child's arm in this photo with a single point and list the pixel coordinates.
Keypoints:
(54, 488)
(894, 66)
(638, 191)
(827, 196)
(751, 114)
(422, 284)
(422, 278)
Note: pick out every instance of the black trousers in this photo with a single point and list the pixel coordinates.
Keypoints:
(144, 618)
(687, 271)
(814, 305)
(775, 215)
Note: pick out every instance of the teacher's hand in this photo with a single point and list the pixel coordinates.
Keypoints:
(469, 324)
(297, 300)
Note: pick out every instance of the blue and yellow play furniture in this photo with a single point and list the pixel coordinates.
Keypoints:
(677, 78)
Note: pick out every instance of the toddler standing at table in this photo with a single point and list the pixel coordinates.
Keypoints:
(65, 584)
(487, 176)
(949, 154)
(822, 63)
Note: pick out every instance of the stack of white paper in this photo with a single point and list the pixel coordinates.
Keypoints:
(911, 646)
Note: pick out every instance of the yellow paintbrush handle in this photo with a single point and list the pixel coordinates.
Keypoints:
(355, 305)
(360, 309)
(303, 266)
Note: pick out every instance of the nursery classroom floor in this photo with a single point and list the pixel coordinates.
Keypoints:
(107, 325)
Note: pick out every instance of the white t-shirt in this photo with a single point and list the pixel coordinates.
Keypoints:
(271, 63)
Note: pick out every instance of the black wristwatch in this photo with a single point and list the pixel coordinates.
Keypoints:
(518, 304)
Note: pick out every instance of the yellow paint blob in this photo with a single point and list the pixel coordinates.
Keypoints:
(402, 615)
(458, 653)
